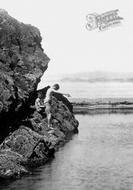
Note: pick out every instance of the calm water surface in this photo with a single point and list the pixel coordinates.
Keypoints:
(100, 157)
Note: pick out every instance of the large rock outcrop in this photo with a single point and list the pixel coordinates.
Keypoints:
(22, 63)
(34, 143)
(26, 140)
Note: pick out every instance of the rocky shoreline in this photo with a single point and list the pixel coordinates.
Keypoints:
(33, 144)
(26, 141)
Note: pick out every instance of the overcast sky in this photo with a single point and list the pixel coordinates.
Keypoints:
(67, 42)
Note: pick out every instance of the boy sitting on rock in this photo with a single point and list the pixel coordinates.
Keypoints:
(39, 104)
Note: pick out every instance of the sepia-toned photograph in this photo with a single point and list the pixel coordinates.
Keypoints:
(66, 95)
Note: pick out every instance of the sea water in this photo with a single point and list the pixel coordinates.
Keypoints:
(100, 157)
(98, 89)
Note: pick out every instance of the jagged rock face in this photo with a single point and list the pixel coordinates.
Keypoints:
(22, 61)
(29, 141)
(35, 143)
(63, 122)
(23, 147)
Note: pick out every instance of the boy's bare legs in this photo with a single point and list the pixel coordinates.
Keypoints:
(49, 117)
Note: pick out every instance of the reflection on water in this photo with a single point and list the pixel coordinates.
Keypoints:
(100, 157)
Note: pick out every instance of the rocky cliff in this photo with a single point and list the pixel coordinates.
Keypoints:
(22, 63)
(26, 140)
